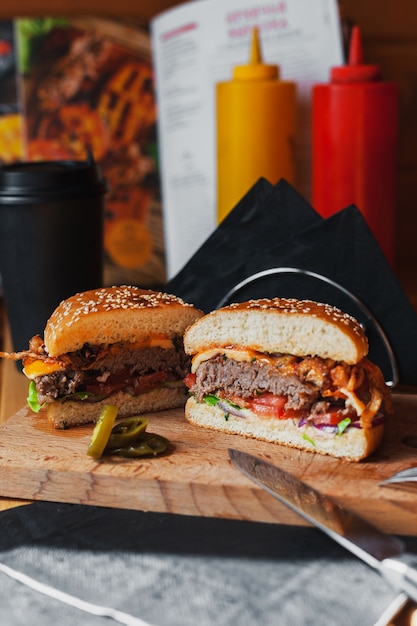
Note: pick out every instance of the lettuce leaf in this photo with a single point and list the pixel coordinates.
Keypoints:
(32, 398)
(211, 399)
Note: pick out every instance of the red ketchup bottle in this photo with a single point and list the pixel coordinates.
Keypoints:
(354, 151)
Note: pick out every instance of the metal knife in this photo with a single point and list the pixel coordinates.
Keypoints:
(406, 479)
(382, 552)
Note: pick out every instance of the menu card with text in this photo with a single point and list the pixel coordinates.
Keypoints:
(195, 46)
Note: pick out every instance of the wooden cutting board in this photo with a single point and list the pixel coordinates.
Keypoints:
(196, 477)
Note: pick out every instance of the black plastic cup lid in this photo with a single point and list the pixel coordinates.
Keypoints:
(39, 180)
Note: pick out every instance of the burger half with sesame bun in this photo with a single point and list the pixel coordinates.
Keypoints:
(292, 372)
(117, 345)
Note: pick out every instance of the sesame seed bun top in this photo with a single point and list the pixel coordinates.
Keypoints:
(281, 325)
(114, 314)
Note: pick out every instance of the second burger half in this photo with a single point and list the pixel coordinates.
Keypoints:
(293, 372)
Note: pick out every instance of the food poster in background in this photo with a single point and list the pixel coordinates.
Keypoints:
(87, 86)
(11, 121)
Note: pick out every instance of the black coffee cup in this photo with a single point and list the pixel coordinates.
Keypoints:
(51, 239)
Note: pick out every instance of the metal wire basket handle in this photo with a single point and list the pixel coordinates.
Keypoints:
(294, 270)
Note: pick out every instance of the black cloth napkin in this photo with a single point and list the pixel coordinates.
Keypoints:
(173, 570)
(265, 217)
(274, 227)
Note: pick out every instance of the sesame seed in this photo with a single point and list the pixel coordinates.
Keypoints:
(306, 307)
(109, 299)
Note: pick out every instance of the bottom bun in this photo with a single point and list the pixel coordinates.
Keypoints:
(353, 445)
(74, 413)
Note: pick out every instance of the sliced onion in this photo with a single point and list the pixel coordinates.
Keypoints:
(325, 428)
(303, 421)
(229, 408)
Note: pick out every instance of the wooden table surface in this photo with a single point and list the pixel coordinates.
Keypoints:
(13, 392)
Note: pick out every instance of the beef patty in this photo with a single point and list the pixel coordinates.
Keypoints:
(242, 379)
(136, 362)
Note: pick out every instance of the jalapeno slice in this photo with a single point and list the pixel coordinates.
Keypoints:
(149, 445)
(127, 431)
(102, 430)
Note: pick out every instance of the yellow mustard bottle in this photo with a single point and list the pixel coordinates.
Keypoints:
(256, 114)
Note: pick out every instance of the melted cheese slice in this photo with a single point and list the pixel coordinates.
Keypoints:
(160, 341)
(154, 340)
(237, 354)
(40, 368)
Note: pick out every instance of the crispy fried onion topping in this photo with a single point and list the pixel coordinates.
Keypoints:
(36, 352)
(366, 396)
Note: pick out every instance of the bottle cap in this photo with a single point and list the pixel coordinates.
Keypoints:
(355, 71)
(256, 69)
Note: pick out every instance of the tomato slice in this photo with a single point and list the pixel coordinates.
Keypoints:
(333, 417)
(330, 418)
(189, 380)
(268, 405)
(123, 380)
(148, 382)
